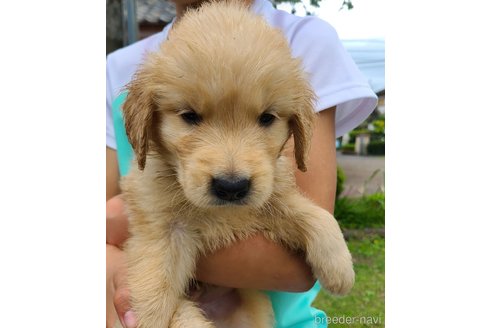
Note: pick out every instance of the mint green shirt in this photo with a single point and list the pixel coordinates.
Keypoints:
(292, 310)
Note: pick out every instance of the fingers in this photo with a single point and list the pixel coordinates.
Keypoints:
(116, 222)
(120, 298)
(122, 305)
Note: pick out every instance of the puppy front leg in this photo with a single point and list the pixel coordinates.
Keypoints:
(326, 250)
(158, 274)
(328, 254)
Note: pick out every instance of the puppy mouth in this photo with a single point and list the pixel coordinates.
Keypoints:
(221, 202)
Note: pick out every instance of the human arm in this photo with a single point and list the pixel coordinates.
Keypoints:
(321, 163)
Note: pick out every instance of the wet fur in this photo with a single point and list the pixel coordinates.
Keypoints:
(229, 66)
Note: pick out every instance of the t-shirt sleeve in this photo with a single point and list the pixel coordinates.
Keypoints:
(110, 136)
(333, 74)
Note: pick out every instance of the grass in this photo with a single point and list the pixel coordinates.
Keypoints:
(364, 306)
(363, 212)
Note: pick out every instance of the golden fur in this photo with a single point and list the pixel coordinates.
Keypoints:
(228, 66)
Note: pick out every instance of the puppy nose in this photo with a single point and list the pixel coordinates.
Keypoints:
(230, 189)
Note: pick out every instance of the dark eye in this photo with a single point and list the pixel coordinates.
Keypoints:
(191, 118)
(266, 119)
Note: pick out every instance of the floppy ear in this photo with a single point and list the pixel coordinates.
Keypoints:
(138, 111)
(301, 125)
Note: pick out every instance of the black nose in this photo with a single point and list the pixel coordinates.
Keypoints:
(230, 189)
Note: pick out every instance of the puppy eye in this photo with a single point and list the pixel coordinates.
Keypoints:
(191, 118)
(266, 119)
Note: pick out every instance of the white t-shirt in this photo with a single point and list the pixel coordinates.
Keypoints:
(333, 74)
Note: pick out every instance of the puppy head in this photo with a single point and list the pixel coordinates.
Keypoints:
(222, 96)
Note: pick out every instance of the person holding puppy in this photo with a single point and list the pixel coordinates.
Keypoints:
(344, 100)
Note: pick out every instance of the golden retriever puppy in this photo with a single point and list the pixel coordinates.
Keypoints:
(208, 116)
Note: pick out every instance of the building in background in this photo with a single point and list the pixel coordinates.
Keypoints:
(150, 16)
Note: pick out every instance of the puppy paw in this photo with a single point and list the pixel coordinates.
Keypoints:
(337, 277)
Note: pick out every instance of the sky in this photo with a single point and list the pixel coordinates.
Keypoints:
(361, 31)
(364, 21)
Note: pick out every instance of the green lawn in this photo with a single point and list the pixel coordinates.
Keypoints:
(364, 306)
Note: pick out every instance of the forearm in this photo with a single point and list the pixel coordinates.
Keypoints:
(256, 263)
(322, 164)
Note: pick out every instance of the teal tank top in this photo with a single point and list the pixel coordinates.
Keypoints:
(292, 310)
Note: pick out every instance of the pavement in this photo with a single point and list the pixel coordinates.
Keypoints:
(364, 174)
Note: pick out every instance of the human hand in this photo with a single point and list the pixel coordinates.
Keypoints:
(117, 293)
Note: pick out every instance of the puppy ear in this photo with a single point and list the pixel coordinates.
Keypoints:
(138, 111)
(301, 125)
